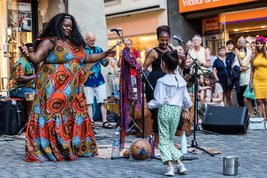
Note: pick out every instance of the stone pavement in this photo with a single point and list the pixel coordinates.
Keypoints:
(251, 150)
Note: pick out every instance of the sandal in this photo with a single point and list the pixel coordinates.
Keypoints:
(93, 124)
(107, 125)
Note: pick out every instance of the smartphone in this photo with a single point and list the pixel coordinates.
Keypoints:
(20, 49)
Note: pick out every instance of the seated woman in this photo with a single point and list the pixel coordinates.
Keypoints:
(210, 94)
(24, 76)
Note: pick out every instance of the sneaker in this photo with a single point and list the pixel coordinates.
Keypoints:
(181, 169)
(169, 172)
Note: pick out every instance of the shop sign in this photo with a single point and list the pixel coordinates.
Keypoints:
(195, 5)
(211, 25)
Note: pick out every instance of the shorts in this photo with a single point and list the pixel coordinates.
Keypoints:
(99, 92)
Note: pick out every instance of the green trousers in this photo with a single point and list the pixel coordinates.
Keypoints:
(168, 119)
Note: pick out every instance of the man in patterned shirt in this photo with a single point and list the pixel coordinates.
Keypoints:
(24, 75)
(95, 84)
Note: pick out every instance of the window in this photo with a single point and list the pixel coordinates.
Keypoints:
(107, 1)
(111, 2)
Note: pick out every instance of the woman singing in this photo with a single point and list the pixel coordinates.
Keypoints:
(59, 127)
(153, 58)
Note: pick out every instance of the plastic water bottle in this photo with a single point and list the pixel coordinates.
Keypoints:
(116, 145)
(151, 142)
(184, 144)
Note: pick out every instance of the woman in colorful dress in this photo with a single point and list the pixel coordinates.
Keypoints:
(258, 76)
(59, 127)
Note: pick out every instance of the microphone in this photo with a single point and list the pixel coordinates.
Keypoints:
(178, 39)
(115, 30)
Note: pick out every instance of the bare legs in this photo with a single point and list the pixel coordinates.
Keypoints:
(227, 97)
(156, 140)
(90, 111)
(249, 104)
(102, 109)
(169, 163)
(103, 112)
(262, 107)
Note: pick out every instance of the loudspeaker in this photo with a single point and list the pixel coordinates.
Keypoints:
(225, 119)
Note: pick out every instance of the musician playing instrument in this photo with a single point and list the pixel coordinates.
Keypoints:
(95, 84)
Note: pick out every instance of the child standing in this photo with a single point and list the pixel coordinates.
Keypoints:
(171, 97)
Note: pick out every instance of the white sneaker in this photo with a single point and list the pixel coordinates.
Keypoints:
(181, 169)
(170, 171)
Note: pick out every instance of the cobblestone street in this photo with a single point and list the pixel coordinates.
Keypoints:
(250, 150)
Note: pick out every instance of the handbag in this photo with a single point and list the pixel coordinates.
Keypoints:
(248, 94)
(229, 81)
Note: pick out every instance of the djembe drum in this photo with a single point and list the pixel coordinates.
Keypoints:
(140, 149)
(112, 104)
(147, 120)
(186, 124)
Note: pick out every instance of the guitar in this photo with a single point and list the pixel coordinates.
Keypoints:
(87, 68)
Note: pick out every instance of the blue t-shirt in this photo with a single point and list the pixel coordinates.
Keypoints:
(96, 79)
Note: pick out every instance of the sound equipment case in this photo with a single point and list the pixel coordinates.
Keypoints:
(11, 117)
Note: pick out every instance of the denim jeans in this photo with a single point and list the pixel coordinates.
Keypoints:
(20, 92)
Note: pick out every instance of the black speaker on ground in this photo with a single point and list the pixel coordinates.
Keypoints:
(225, 119)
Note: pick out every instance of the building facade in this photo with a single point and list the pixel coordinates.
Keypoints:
(217, 21)
(138, 21)
(22, 20)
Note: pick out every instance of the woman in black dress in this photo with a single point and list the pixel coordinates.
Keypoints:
(153, 58)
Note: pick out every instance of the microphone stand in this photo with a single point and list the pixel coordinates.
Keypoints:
(144, 78)
(194, 143)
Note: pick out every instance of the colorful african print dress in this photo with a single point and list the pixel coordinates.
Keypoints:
(59, 127)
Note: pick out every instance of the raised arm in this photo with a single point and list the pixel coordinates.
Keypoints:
(91, 58)
(150, 57)
(41, 52)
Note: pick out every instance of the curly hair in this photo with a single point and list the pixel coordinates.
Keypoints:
(264, 50)
(54, 29)
(163, 28)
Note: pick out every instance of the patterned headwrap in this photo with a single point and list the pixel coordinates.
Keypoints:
(261, 39)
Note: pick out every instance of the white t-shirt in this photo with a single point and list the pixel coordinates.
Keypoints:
(218, 89)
